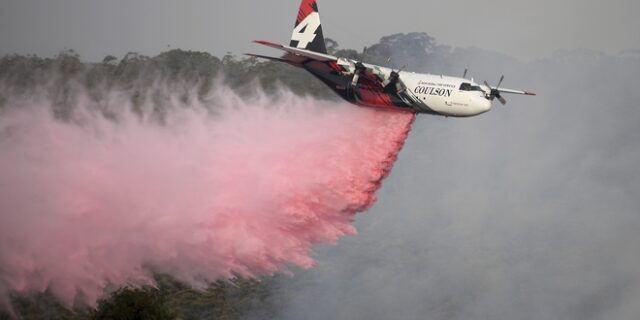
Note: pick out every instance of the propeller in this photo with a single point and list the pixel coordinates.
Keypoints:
(364, 54)
(393, 77)
(396, 74)
(495, 93)
(360, 68)
(464, 76)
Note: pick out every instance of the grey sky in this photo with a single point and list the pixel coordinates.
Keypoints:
(523, 29)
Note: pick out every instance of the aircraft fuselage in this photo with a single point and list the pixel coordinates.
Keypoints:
(375, 86)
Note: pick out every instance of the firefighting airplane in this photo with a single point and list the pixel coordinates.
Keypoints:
(375, 86)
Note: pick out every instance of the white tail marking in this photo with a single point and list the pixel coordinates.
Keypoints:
(305, 31)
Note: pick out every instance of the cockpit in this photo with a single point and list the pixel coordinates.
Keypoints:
(465, 86)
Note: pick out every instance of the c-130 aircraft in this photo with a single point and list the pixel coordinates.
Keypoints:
(370, 85)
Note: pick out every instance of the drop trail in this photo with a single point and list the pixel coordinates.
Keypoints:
(246, 190)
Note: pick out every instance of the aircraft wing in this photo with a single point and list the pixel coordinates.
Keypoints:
(299, 52)
(503, 90)
(516, 91)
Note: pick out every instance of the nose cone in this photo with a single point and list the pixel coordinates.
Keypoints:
(485, 105)
(481, 105)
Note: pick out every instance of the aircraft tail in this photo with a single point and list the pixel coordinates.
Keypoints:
(307, 33)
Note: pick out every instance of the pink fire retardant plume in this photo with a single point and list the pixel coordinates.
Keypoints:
(243, 190)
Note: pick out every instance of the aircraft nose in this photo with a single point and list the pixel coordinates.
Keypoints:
(483, 105)
(486, 105)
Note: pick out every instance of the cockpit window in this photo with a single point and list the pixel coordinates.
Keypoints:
(465, 86)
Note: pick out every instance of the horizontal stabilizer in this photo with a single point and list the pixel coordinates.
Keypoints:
(266, 57)
(299, 52)
(269, 44)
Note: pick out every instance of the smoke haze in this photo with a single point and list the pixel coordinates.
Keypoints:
(530, 211)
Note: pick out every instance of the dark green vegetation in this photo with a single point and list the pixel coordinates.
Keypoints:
(169, 300)
(185, 72)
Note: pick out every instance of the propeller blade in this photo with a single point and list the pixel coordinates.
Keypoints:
(501, 99)
(488, 86)
(465, 73)
(500, 82)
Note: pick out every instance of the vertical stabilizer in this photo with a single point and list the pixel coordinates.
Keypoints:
(307, 33)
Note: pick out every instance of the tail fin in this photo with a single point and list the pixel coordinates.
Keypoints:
(307, 33)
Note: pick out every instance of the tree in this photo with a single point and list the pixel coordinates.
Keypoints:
(133, 304)
(412, 49)
(331, 45)
(110, 60)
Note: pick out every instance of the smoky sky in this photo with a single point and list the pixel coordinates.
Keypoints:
(523, 29)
